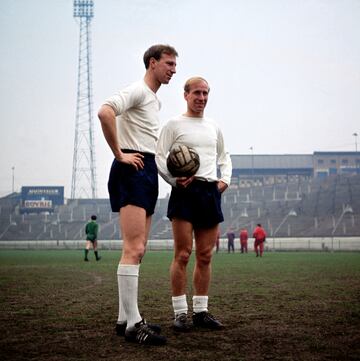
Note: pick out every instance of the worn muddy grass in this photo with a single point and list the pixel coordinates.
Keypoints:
(284, 306)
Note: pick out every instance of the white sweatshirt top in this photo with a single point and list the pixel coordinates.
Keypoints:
(137, 122)
(201, 134)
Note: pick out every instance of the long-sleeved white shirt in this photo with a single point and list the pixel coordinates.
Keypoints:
(201, 134)
(137, 122)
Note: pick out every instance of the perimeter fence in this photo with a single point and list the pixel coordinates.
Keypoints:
(272, 244)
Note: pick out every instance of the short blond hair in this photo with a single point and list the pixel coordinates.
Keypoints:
(193, 80)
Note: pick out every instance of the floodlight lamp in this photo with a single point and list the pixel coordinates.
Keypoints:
(348, 209)
(83, 8)
(292, 213)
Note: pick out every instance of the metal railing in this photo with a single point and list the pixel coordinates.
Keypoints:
(271, 244)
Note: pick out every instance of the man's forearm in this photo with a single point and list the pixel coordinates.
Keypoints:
(108, 124)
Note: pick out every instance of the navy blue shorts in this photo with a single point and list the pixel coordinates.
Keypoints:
(130, 186)
(199, 203)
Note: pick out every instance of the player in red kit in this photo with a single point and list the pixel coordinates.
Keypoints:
(260, 237)
(244, 240)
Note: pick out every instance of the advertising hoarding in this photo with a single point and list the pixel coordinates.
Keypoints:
(41, 198)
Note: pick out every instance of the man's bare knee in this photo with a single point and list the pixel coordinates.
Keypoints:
(139, 251)
(203, 259)
(135, 253)
(183, 257)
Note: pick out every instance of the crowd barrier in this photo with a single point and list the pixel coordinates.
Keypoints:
(271, 244)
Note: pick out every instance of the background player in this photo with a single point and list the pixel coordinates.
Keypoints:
(231, 238)
(244, 240)
(260, 237)
(91, 230)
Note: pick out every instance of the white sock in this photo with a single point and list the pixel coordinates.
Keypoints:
(179, 304)
(200, 303)
(128, 276)
(122, 314)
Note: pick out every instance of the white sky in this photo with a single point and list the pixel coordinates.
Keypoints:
(284, 75)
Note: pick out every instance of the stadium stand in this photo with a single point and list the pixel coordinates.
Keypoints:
(300, 207)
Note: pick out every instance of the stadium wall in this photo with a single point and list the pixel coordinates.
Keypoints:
(272, 244)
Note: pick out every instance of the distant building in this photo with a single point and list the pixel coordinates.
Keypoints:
(268, 169)
(332, 163)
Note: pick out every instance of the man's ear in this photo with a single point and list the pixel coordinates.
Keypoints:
(152, 62)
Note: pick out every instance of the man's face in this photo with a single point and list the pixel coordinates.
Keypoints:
(197, 97)
(164, 68)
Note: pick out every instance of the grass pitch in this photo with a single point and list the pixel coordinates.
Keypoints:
(284, 306)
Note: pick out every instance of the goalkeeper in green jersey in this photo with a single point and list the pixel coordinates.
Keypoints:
(91, 231)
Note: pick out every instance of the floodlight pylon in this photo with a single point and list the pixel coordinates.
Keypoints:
(83, 184)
